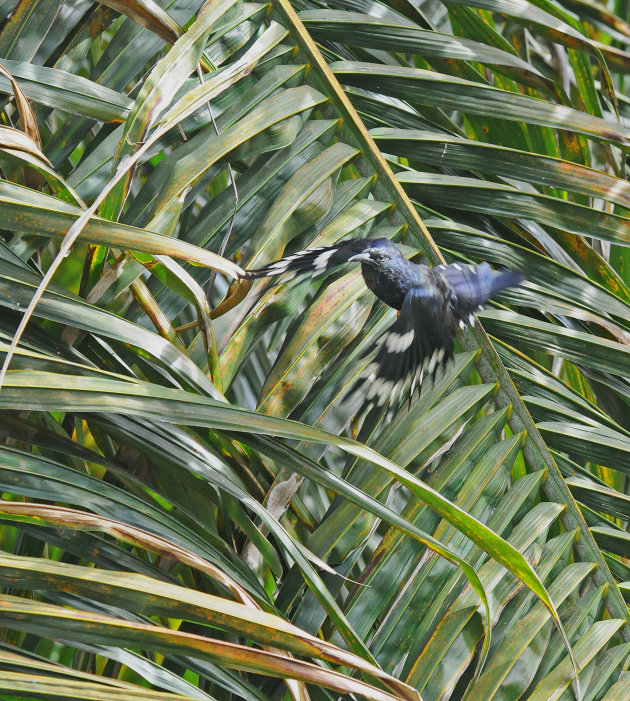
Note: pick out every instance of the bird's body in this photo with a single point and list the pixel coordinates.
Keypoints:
(432, 302)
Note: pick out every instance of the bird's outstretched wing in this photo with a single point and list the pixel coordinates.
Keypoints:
(473, 285)
(313, 261)
(418, 342)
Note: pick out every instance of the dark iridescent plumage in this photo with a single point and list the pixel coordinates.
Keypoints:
(433, 304)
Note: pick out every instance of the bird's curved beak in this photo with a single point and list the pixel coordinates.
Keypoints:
(361, 257)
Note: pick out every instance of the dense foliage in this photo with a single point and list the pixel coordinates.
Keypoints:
(191, 508)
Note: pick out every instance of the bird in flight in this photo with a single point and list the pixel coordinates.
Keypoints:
(432, 303)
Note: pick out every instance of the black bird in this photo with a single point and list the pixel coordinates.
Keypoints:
(433, 303)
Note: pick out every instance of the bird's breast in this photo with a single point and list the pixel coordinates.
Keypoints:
(387, 285)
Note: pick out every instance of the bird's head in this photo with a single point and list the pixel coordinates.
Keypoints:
(379, 253)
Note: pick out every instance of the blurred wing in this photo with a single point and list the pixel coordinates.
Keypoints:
(313, 261)
(473, 285)
(419, 341)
